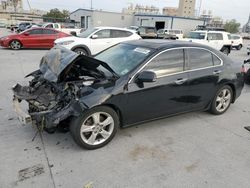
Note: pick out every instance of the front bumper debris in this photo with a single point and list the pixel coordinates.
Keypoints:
(23, 117)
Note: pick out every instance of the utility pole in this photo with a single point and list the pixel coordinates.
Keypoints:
(91, 4)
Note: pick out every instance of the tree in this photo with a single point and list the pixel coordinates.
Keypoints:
(232, 26)
(56, 15)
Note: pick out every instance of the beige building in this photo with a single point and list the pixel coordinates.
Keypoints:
(186, 8)
(141, 9)
(170, 11)
(11, 6)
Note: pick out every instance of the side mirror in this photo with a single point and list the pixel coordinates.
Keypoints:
(94, 36)
(146, 76)
(247, 61)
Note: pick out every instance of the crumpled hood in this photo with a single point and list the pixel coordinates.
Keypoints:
(56, 62)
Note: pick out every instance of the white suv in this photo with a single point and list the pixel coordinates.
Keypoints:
(237, 41)
(219, 40)
(95, 40)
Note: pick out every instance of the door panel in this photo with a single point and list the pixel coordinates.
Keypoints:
(154, 100)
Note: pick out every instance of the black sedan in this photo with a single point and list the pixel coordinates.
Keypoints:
(129, 83)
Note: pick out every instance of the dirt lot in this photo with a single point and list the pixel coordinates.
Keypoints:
(190, 150)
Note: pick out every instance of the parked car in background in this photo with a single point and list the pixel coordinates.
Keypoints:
(133, 28)
(248, 49)
(93, 41)
(23, 26)
(129, 83)
(14, 27)
(32, 38)
(246, 70)
(219, 40)
(2, 25)
(170, 34)
(59, 27)
(237, 41)
(147, 32)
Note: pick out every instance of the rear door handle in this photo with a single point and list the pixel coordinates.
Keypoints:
(181, 81)
(217, 71)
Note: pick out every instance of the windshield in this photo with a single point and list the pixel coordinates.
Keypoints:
(86, 33)
(196, 35)
(124, 58)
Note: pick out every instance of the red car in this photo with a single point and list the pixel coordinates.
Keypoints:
(32, 38)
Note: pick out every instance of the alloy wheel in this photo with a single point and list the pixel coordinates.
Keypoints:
(223, 100)
(97, 128)
(15, 45)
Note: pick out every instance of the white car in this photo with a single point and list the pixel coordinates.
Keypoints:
(93, 41)
(237, 41)
(171, 33)
(219, 40)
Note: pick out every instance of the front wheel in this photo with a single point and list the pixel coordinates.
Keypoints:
(95, 128)
(81, 51)
(15, 45)
(225, 50)
(222, 100)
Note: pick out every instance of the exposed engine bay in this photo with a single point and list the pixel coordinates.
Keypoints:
(55, 92)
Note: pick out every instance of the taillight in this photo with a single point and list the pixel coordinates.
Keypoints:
(243, 69)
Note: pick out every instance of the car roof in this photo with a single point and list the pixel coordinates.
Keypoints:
(210, 31)
(159, 44)
(117, 28)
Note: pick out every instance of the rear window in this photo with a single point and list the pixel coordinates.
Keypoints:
(120, 34)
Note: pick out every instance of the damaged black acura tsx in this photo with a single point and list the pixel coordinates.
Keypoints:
(129, 83)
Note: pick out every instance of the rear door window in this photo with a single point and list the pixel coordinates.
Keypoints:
(120, 34)
(199, 58)
(49, 32)
(36, 32)
(215, 36)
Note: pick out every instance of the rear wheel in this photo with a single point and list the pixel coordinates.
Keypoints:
(225, 50)
(239, 47)
(222, 100)
(81, 51)
(95, 128)
(15, 45)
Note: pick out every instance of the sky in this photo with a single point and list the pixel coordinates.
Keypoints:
(227, 9)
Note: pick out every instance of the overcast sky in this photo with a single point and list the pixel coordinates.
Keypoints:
(227, 9)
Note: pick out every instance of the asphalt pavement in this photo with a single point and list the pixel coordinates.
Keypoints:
(191, 150)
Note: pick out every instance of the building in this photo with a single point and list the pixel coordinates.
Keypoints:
(186, 8)
(207, 16)
(11, 6)
(140, 9)
(168, 22)
(12, 12)
(86, 18)
(170, 11)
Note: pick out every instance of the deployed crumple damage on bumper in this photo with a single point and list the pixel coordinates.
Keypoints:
(62, 88)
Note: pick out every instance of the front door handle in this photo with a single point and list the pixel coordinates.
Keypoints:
(217, 71)
(181, 81)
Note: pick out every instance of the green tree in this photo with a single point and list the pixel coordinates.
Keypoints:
(232, 26)
(56, 15)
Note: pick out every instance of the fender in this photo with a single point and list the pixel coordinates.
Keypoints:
(82, 46)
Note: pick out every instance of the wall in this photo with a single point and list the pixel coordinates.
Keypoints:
(186, 24)
(112, 19)
(76, 16)
(147, 20)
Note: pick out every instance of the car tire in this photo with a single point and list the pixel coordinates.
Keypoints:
(81, 51)
(239, 47)
(222, 100)
(225, 50)
(95, 128)
(15, 45)
(248, 53)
